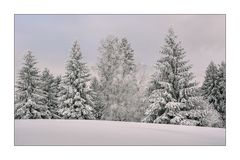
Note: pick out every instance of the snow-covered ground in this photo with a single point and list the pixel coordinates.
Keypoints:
(91, 132)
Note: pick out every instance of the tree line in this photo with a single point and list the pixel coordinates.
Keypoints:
(172, 95)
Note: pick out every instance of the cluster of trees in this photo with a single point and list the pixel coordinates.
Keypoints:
(172, 97)
(113, 95)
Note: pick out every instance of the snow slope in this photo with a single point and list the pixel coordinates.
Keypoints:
(91, 132)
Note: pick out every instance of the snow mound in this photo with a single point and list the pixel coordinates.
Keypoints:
(92, 132)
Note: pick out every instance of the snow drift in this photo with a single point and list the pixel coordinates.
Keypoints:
(92, 132)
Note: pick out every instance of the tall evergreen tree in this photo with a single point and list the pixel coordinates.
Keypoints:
(213, 88)
(222, 90)
(75, 95)
(173, 94)
(28, 92)
(49, 87)
(210, 84)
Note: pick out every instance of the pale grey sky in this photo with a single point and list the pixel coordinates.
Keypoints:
(50, 37)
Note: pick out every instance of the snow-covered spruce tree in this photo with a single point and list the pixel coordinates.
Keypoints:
(213, 88)
(173, 95)
(117, 79)
(222, 90)
(49, 88)
(75, 95)
(28, 94)
(210, 83)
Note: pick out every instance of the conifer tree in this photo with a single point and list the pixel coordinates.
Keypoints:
(75, 94)
(173, 95)
(28, 92)
(213, 88)
(222, 90)
(210, 83)
(48, 87)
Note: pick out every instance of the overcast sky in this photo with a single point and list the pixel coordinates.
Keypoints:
(50, 37)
